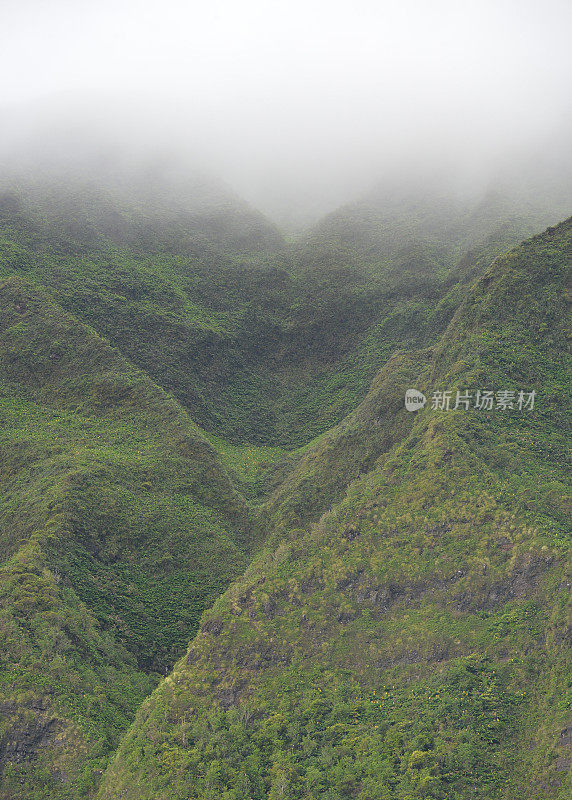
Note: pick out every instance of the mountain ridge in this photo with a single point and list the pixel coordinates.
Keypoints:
(422, 568)
(123, 521)
(118, 524)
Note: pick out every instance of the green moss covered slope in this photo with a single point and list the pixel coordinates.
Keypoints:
(406, 637)
(261, 343)
(118, 526)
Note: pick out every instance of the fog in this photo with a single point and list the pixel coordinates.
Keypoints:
(299, 106)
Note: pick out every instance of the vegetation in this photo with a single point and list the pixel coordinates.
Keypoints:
(413, 642)
(118, 527)
(376, 600)
(262, 345)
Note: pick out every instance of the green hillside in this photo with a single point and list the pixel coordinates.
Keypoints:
(118, 526)
(406, 635)
(195, 414)
(261, 343)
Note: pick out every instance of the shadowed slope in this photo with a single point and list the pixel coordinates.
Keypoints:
(262, 343)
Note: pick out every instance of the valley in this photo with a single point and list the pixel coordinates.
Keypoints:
(233, 565)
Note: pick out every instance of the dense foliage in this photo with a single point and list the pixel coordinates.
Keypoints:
(118, 527)
(413, 642)
(399, 631)
(262, 344)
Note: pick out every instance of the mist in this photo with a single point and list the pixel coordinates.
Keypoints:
(299, 106)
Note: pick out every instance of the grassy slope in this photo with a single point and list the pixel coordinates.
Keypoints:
(172, 295)
(260, 344)
(414, 642)
(118, 526)
(391, 271)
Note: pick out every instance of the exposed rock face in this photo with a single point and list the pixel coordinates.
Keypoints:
(30, 731)
(565, 738)
(35, 738)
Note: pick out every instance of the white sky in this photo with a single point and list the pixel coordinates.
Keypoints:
(308, 98)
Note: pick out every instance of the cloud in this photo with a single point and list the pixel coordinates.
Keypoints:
(291, 99)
